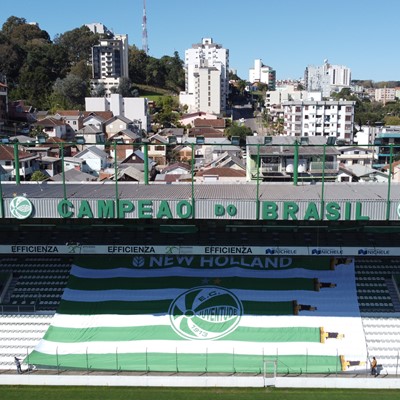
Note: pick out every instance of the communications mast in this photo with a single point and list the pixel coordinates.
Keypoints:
(145, 46)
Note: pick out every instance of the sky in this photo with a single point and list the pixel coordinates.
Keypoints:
(287, 35)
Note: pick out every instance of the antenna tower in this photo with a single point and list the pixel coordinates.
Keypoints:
(145, 46)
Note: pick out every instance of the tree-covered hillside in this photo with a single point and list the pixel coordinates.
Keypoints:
(52, 74)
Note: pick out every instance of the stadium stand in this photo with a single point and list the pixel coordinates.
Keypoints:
(39, 281)
(19, 334)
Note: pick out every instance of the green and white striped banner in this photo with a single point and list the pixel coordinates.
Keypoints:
(115, 314)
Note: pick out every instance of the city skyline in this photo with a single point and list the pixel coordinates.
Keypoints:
(289, 36)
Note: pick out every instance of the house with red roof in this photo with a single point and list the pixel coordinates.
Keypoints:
(27, 162)
(53, 127)
(73, 119)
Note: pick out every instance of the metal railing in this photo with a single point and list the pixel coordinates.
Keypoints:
(256, 166)
(177, 362)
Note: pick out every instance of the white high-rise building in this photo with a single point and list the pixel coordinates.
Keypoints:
(327, 78)
(263, 74)
(319, 118)
(109, 58)
(207, 80)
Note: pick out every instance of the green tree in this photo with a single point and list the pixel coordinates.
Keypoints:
(71, 91)
(44, 64)
(12, 23)
(99, 90)
(125, 87)
(137, 65)
(166, 112)
(174, 72)
(241, 86)
(11, 59)
(155, 73)
(36, 131)
(38, 176)
(82, 70)
(392, 120)
(77, 43)
(238, 130)
(25, 34)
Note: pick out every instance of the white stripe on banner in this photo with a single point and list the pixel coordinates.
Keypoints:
(334, 324)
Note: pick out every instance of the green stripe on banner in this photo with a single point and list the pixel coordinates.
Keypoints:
(188, 282)
(164, 362)
(163, 261)
(164, 332)
(162, 307)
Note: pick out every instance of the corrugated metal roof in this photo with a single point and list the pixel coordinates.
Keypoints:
(246, 191)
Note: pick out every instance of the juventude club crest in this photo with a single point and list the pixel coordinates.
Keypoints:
(21, 207)
(205, 313)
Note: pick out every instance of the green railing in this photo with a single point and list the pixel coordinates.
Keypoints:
(258, 165)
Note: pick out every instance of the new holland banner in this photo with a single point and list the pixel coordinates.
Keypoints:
(187, 314)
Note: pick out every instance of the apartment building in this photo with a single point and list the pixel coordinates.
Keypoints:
(206, 72)
(383, 95)
(319, 118)
(261, 73)
(134, 108)
(386, 145)
(109, 58)
(327, 78)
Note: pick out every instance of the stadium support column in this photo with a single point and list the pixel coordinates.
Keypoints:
(146, 160)
(296, 162)
(389, 183)
(323, 184)
(16, 164)
(63, 170)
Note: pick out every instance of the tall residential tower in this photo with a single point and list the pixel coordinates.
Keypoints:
(327, 78)
(207, 81)
(109, 59)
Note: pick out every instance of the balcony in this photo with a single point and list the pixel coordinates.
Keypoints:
(269, 167)
(331, 167)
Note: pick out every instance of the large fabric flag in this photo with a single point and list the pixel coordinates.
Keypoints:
(167, 313)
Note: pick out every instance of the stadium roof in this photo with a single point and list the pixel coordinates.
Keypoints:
(267, 191)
